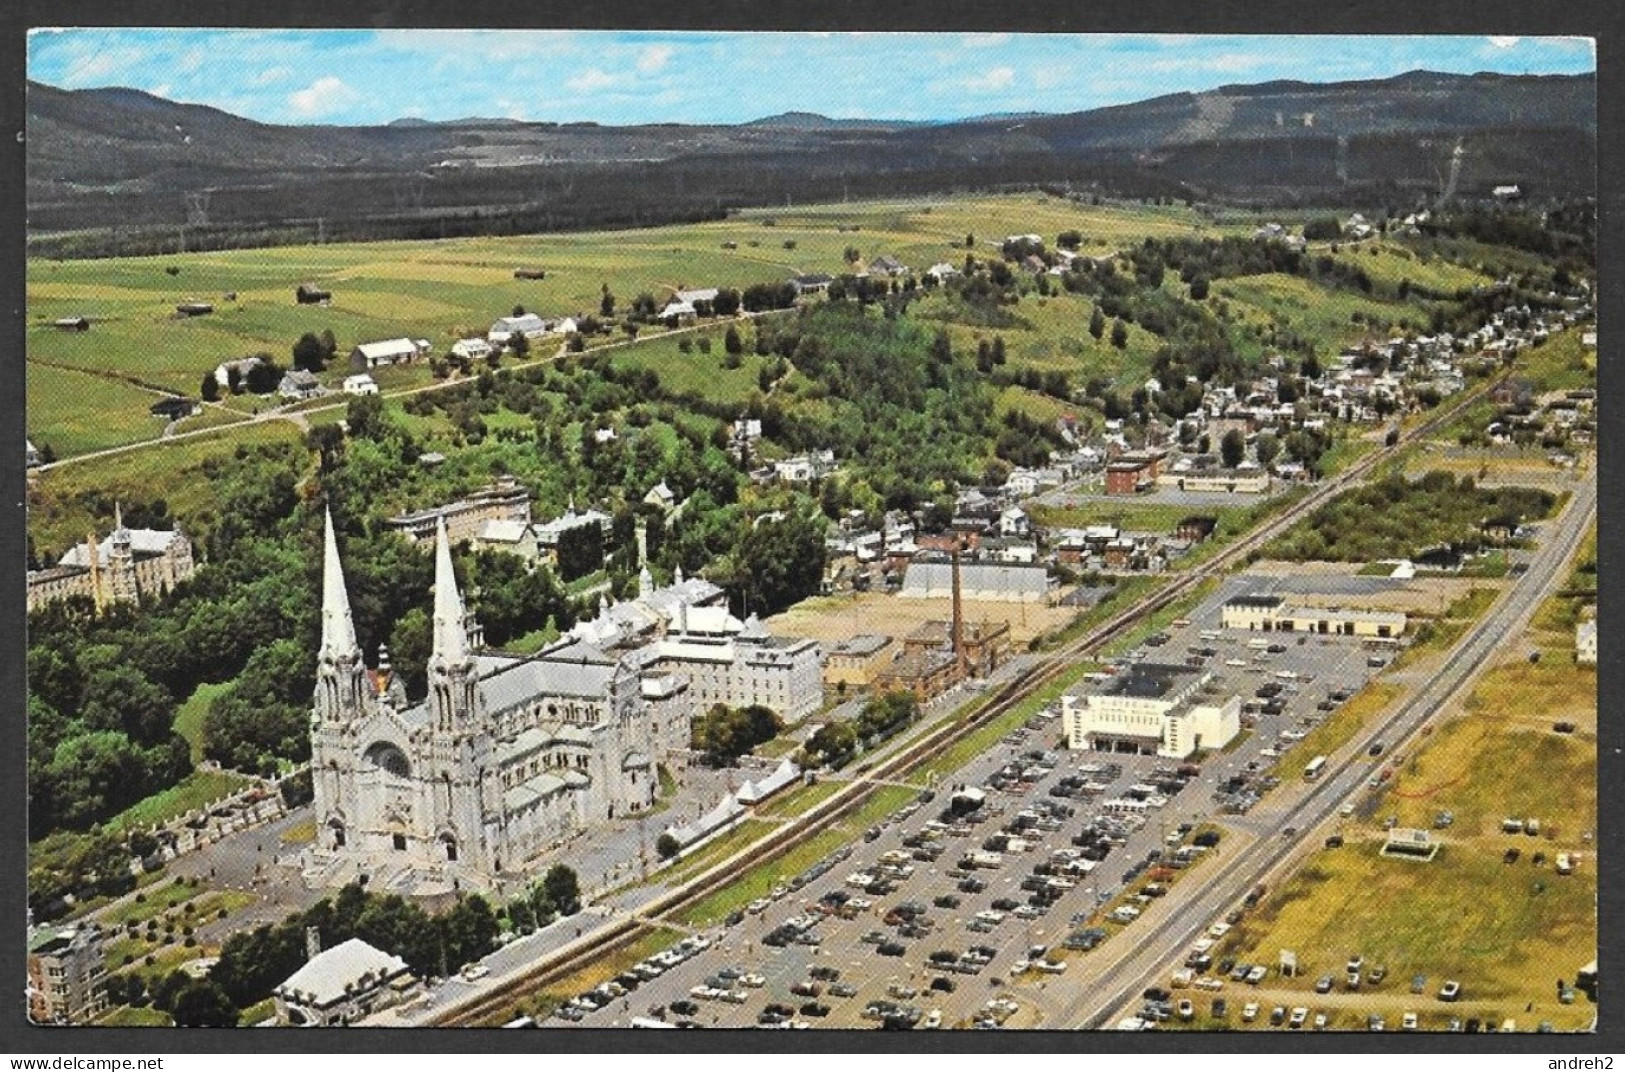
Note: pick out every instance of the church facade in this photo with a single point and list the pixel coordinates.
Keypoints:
(504, 758)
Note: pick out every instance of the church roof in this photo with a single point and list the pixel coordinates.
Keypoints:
(531, 791)
(142, 542)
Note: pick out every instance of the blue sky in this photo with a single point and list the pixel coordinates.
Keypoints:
(352, 77)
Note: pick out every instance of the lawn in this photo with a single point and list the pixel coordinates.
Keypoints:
(715, 851)
(190, 714)
(1324, 317)
(696, 373)
(1339, 728)
(197, 790)
(146, 1016)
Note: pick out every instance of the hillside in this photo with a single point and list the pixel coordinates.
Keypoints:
(233, 181)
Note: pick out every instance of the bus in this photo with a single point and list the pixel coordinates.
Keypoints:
(650, 1022)
(1312, 771)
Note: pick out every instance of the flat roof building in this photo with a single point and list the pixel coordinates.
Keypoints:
(1270, 613)
(1152, 709)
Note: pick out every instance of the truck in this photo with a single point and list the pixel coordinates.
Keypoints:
(986, 859)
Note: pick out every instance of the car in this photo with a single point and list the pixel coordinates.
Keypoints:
(1320, 1021)
(751, 979)
(1187, 1011)
(1249, 1012)
(971, 884)
(685, 1007)
(815, 1009)
(1278, 1016)
(932, 1021)
(1378, 974)
(1376, 748)
(1375, 1023)
(824, 973)
(1221, 1008)
(873, 937)
(1408, 1022)
(892, 949)
(1450, 991)
(943, 984)
(842, 990)
(806, 989)
(1299, 1016)
(1323, 985)
(1256, 975)
(947, 900)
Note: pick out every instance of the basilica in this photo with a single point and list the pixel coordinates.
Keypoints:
(503, 760)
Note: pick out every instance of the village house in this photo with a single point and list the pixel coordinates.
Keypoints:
(811, 283)
(360, 384)
(471, 350)
(371, 355)
(300, 384)
(887, 265)
(72, 323)
(547, 533)
(241, 367)
(311, 294)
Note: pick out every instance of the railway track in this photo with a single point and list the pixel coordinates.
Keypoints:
(491, 1006)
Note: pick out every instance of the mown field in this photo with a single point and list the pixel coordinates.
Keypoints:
(1505, 928)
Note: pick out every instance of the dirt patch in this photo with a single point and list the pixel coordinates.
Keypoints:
(831, 619)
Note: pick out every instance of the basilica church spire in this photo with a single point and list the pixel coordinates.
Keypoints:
(450, 629)
(338, 628)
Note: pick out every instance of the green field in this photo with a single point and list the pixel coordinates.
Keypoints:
(1322, 316)
(444, 290)
(77, 412)
(190, 714)
(197, 790)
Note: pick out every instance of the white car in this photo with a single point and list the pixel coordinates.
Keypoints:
(933, 1020)
(1408, 1023)
(752, 980)
(1249, 1012)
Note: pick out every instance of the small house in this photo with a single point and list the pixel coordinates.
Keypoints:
(811, 283)
(887, 265)
(311, 294)
(505, 328)
(360, 384)
(475, 349)
(300, 384)
(341, 985)
(193, 308)
(72, 323)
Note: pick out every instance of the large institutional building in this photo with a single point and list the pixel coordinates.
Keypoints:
(1152, 709)
(508, 756)
(128, 566)
(1268, 613)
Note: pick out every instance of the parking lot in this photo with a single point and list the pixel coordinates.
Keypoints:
(956, 915)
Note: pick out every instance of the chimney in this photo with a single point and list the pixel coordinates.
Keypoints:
(959, 619)
(313, 943)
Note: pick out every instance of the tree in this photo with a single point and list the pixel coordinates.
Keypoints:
(519, 344)
(970, 240)
(1097, 324)
(1199, 288)
(732, 342)
(263, 377)
(1119, 333)
(519, 310)
(563, 890)
(1267, 447)
(851, 255)
(666, 846)
(309, 353)
(203, 1003)
(364, 417)
(606, 303)
(410, 644)
(210, 388)
(1232, 448)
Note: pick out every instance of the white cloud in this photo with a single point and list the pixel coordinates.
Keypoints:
(654, 58)
(89, 69)
(984, 40)
(997, 78)
(591, 80)
(162, 89)
(322, 97)
(1222, 63)
(1503, 42)
(271, 76)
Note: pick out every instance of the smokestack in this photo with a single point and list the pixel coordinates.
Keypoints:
(959, 618)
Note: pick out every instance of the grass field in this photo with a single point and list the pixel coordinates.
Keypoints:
(196, 790)
(190, 714)
(76, 412)
(146, 1016)
(1325, 317)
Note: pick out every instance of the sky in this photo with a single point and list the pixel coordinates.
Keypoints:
(627, 77)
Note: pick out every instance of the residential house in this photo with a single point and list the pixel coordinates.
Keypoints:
(242, 367)
(72, 323)
(193, 308)
(943, 271)
(360, 384)
(311, 294)
(471, 350)
(300, 384)
(887, 265)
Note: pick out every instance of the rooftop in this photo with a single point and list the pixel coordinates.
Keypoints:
(1149, 681)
